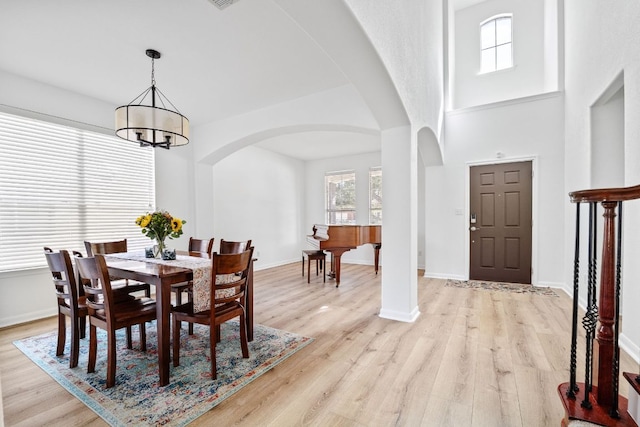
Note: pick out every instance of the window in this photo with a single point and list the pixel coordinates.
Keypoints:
(375, 195)
(60, 186)
(340, 193)
(496, 44)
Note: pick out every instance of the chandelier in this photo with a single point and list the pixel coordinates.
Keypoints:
(152, 125)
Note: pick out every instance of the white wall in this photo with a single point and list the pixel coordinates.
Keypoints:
(410, 42)
(611, 33)
(527, 128)
(258, 195)
(314, 197)
(526, 77)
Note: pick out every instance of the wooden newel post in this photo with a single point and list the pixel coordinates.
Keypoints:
(607, 310)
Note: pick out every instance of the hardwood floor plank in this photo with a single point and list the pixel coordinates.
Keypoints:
(472, 358)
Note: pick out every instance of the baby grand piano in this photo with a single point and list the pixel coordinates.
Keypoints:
(339, 239)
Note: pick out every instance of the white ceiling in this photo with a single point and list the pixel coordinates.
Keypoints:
(215, 63)
(321, 145)
(461, 4)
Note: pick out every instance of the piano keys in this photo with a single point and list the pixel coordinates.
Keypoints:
(339, 239)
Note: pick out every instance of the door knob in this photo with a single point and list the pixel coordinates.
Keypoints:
(473, 228)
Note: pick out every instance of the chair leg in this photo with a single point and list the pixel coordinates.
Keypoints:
(302, 265)
(83, 327)
(218, 333)
(93, 348)
(129, 345)
(179, 302)
(309, 271)
(316, 266)
(75, 343)
(62, 333)
(143, 336)
(213, 338)
(190, 299)
(111, 358)
(244, 344)
(176, 342)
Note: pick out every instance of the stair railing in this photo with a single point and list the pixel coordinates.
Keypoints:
(586, 401)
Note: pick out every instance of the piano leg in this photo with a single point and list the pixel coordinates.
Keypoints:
(336, 254)
(376, 249)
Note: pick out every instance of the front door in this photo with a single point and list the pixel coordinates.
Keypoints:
(500, 222)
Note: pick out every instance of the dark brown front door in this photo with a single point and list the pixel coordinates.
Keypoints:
(500, 223)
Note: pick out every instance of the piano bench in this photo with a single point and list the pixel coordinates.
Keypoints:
(319, 257)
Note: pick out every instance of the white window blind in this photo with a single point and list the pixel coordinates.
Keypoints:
(340, 196)
(60, 186)
(375, 195)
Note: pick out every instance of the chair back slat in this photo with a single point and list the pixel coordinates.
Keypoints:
(229, 276)
(203, 246)
(97, 285)
(229, 247)
(94, 248)
(63, 277)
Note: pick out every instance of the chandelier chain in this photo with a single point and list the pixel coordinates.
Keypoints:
(153, 72)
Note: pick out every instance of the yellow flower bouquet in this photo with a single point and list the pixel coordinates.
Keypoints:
(158, 226)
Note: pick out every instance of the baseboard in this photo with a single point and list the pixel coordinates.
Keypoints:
(431, 275)
(400, 316)
(260, 266)
(554, 285)
(27, 317)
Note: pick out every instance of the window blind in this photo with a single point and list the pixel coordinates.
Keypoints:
(340, 197)
(375, 195)
(60, 186)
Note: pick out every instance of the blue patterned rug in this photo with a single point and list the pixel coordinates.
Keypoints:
(136, 399)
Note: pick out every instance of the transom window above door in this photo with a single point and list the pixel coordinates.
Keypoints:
(496, 44)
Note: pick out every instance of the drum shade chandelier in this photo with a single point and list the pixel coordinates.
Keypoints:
(152, 125)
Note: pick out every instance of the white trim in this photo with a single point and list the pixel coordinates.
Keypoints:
(506, 103)
(534, 208)
(27, 317)
(400, 316)
(444, 276)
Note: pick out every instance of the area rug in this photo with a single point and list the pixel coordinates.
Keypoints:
(501, 287)
(136, 399)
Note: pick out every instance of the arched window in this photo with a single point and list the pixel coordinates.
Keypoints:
(496, 44)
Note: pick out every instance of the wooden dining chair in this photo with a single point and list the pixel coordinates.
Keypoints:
(229, 247)
(70, 303)
(226, 303)
(106, 314)
(197, 247)
(117, 246)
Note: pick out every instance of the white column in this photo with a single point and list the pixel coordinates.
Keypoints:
(399, 225)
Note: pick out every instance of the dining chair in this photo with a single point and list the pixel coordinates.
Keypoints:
(70, 303)
(226, 303)
(229, 247)
(197, 247)
(122, 285)
(107, 314)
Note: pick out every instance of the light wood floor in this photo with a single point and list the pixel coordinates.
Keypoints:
(473, 358)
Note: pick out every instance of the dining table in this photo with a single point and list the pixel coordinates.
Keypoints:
(162, 274)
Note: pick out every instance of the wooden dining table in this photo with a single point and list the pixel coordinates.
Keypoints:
(162, 276)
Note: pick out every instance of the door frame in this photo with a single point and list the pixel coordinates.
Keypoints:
(534, 208)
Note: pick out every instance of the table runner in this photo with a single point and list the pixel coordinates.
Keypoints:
(201, 268)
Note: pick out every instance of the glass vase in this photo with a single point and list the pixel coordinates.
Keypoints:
(159, 248)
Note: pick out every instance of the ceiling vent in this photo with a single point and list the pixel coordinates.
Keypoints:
(221, 4)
